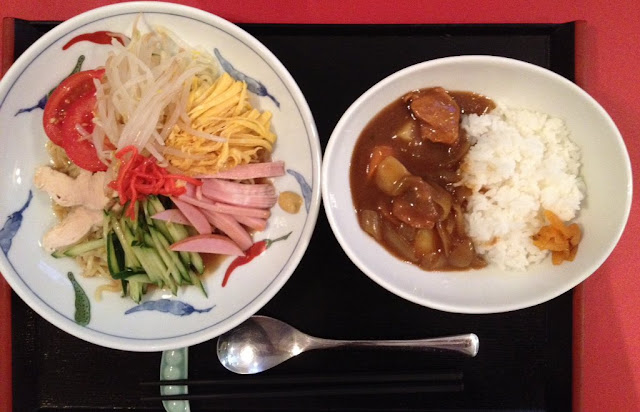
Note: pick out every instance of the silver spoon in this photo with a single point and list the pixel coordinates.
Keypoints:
(261, 342)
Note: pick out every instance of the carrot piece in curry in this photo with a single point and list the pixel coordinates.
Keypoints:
(378, 154)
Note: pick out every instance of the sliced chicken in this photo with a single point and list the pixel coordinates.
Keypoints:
(87, 190)
(76, 225)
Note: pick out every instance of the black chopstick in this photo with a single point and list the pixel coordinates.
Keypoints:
(332, 391)
(298, 386)
(307, 380)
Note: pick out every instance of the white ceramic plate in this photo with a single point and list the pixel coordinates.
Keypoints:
(25, 212)
(605, 168)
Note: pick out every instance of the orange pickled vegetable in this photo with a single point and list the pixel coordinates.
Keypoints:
(140, 176)
(560, 239)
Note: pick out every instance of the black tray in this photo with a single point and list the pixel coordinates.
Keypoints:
(525, 356)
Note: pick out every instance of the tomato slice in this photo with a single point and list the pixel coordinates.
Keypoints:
(75, 87)
(80, 150)
(72, 103)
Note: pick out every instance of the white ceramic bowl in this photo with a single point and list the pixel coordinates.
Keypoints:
(605, 168)
(41, 281)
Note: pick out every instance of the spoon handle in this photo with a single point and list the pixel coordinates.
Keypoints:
(467, 344)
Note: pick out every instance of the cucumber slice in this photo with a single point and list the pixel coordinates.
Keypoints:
(125, 238)
(139, 278)
(79, 248)
(115, 254)
(115, 260)
(127, 273)
(164, 243)
(197, 262)
(197, 282)
(168, 261)
(174, 232)
(136, 290)
(159, 224)
(155, 267)
(148, 211)
(168, 229)
(181, 271)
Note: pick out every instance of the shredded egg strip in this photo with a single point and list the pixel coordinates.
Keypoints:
(224, 131)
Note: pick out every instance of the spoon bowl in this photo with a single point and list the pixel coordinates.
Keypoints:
(261, 342)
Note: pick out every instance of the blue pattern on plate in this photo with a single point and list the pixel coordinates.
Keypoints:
(304, 186)
(43, 101)
(40, 105)
(175, 307)
(12, 225)
(253, 85)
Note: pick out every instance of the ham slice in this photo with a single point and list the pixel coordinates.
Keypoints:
(261, 195)
(207, 204)
(230, 226)
(252, 222)
(208, 243)
(173, 216)
(194, 215)
(250, 171)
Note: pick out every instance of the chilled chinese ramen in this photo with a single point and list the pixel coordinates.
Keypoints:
(157, 157)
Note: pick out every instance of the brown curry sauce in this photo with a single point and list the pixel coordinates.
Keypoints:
(410, 217)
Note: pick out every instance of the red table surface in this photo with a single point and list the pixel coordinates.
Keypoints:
(606, 371)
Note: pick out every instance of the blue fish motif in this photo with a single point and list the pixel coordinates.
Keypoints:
(40, 105)
(12, 225)
(175, 307)
(304, 186)
(253, 85)
(43, 101)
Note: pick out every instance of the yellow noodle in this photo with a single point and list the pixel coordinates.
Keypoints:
(94, 263)
(112, 286)
(60, 161)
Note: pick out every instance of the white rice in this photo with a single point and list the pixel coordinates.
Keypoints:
(521, 163)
